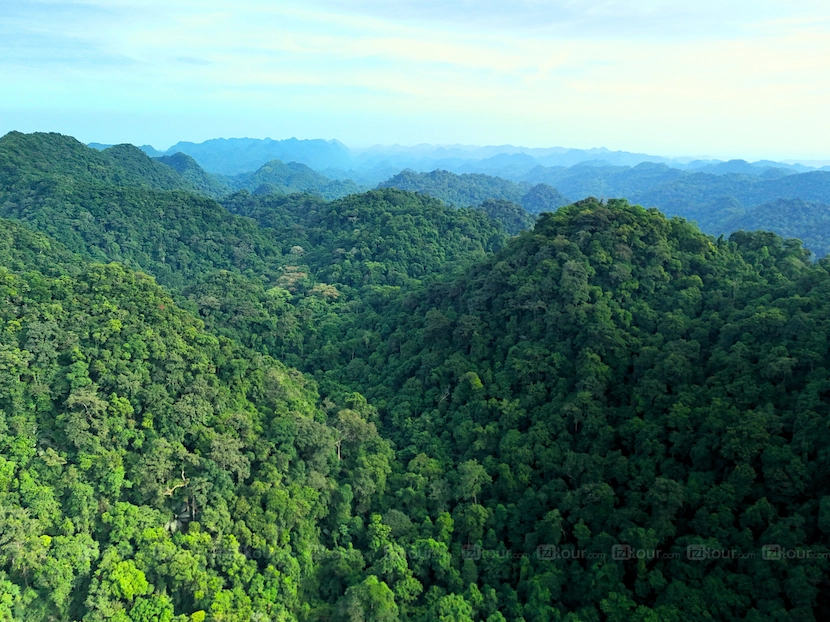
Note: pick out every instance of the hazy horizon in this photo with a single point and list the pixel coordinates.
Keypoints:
(518, 149)
(166, 146)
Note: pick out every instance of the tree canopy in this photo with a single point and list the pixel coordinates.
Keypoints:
(385, 408)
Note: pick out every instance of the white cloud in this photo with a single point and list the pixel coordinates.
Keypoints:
(412, 72)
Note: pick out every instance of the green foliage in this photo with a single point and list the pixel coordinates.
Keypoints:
(461, 190)
(382, 237)
(277, 177)
(460, 406)
(370, 601)
(789, 205)
(512, 217)
(745, 197)
(504, 201)
(24, 157)
(175, 236)
(614, 377)
(600, 179)
(197, 178)
(543, 198)
(148, 468)
(804, 220)
(21, 249)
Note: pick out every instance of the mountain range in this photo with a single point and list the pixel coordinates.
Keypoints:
(369, 166)
(721, 197)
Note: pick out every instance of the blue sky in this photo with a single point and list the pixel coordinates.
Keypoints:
(728, 79)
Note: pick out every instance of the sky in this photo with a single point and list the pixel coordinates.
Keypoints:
(730, 79)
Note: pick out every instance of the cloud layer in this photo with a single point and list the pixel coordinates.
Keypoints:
(666, 77)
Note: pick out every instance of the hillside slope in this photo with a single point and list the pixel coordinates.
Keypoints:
(174, 236)
(809, 221)
(281, 178)
(614, 378)
(461, 190)
(381, 237)
(30, 156)
(196, 177)
(149, 469)
(273, 286)
(471, 189)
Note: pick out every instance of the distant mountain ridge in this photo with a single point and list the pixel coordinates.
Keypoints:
(241, 155)
(720, 196)
(235, 156)
(371, 165)
(275, 176)
(808, 221)
(792, 205)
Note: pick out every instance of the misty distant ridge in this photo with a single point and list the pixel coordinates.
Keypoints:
(721, 197)
(232, 156)
(372, 165)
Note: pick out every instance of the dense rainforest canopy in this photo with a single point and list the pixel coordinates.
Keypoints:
(382, 408)
(476, 189)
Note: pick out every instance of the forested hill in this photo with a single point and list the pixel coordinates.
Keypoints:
(382, 237)
(200, 180)
(808, 221)
(698, 196)
(601, 179)
(614, 379)
(240, 155)
(461, 190)
(175, 236)
(272, 286)
(719, 202)
(22, 249)
(514, 218)
(475, 188)
(110, 212)
(26, 158)
(281, 178)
